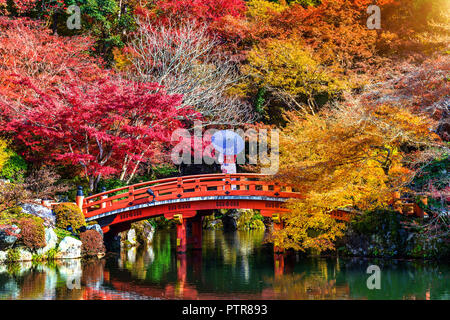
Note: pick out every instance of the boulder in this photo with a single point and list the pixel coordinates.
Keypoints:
(51, 239)
(149, 232)
(69, 248)
(131, 237)
(25, 255)
(3, 255)
(8, 236)
(131, 255)
(40, 211)
(95, 227)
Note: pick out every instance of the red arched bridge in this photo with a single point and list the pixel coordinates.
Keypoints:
(188, 198)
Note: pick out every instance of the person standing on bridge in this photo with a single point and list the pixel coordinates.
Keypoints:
(228, 144)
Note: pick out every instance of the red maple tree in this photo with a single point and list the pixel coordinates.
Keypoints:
(107, 127)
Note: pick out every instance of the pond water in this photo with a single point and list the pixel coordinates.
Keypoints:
(236, 265)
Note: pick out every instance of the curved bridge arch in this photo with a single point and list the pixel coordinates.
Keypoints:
(186, 196)
(189, 198)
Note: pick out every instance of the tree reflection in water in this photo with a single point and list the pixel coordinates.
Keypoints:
(230, 265)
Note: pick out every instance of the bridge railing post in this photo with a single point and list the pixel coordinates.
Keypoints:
(197, 185)
(227, 185)
(80, 198)
(179, 187)
(105, 196)
(131, 194)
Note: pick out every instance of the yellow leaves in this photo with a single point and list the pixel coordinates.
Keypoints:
(308, 227)
(262, 9)
(288, 70)
(287, 65)
(4, 155)
(347, 157)
(121, 59)
(398, 124)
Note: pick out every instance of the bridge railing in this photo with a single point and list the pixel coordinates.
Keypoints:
(239, 184)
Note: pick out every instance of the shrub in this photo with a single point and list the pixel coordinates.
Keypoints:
(12, 194)
(3, 153)
(248, 220)
(68, 214)
(92, 243)
(51, 254)
(14, 168)
(45, 184)
(142, 228)
(61, 234)
(12, 215)
(33, 232)
(13, 255)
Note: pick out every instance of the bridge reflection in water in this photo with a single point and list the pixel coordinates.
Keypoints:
(230, 266)
(239, 266)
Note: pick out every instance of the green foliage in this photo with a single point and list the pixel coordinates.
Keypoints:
(305, 3)
(259, 100)
(68, 214)
(13, 255)
(111, 184)
(163, 223)
(384, 233)
(51, 254)
(162, 171)
(74, 183)
(142, 229)
(425, 247)
(91, 223)
(12, 214)
(38, 257)
(249, 220)
(213, 222)
(434, 174)
(62, 233)
(14, 168)
(377, 222)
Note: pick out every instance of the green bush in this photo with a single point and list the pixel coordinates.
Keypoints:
(13, 255)
(163, 223)
(51, 254)
(61, 234)
(92, 243)
(68, 214)
(11, 215)
(14, 168)
(249, 220)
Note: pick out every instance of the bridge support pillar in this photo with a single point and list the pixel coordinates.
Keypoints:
(197, 231)
(181, 233)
